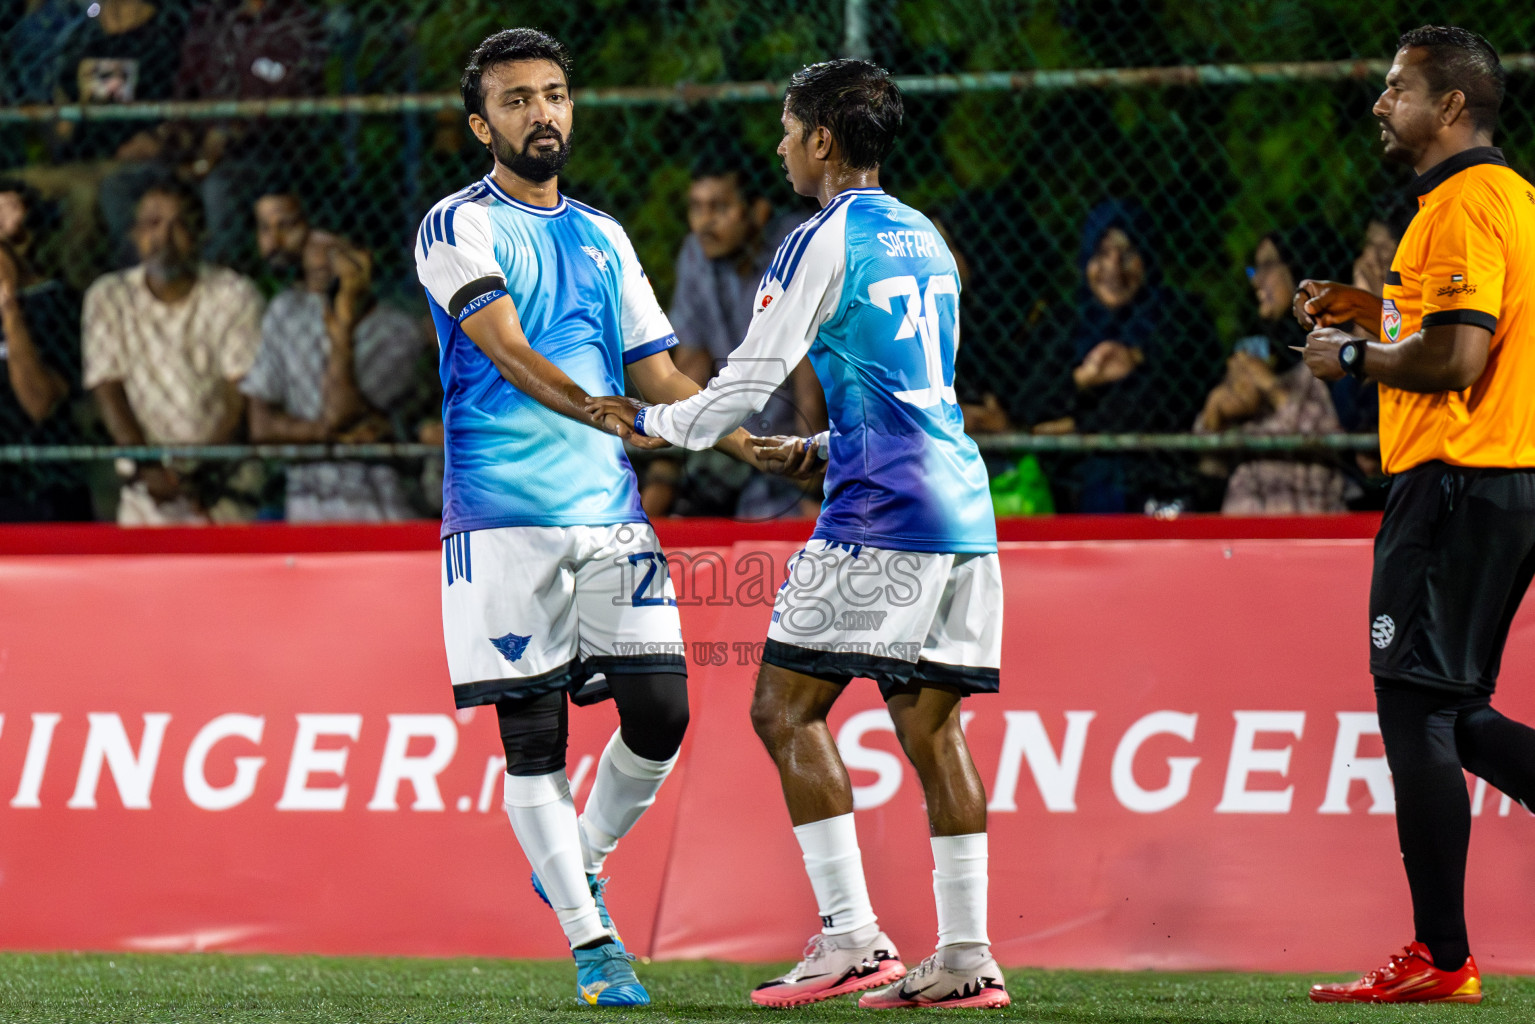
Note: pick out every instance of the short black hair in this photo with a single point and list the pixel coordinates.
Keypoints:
(1460, 59)
(724, 158)
(191, 201)
(856, 101)
(510, 44)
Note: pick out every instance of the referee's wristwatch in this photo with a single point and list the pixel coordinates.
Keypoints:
(1351, 358)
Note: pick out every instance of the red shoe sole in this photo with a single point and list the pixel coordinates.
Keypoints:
(1330, 997)
(890, 971)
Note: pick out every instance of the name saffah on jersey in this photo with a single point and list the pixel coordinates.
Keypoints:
(911, 244)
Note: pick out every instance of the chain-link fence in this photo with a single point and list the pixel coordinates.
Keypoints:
(1128, 187)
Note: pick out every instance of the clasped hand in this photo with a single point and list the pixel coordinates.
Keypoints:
(615, 414)
(792, 457)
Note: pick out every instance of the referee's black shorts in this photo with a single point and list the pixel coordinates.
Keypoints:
(1453, 558)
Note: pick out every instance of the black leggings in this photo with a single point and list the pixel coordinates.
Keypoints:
(1429, 737)
(652, 717)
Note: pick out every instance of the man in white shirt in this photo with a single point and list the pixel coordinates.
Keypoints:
(165, 344)
(333, 364)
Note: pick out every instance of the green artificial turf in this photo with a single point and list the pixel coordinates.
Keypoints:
(190, 989)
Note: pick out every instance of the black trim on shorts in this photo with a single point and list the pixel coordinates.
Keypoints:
(488, 691)
(892, 674)
(635, 664)
(964, 678)
(1474, 317)
(473, 290)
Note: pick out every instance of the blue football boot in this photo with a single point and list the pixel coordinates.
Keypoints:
(604, 977)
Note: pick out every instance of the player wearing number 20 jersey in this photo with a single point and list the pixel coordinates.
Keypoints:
(869, 289)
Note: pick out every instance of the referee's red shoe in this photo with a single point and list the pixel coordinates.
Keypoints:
(1409, 977)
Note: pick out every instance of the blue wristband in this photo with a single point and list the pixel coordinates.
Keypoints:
(639, 423)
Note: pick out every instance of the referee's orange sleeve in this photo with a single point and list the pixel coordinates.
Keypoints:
(1467, 260)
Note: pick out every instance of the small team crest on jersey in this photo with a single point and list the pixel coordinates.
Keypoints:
(1382, 631)
(1390, 321)
(598, 256)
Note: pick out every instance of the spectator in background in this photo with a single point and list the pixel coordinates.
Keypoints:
(1384, 231)
(1140, 355)
(733, 234)
(1358, 401)
(165, 345)
(232, 49)
(1268, 390)
(39, 371)
(127, 52)
(282, 229)
(333, 364)
(247, 50)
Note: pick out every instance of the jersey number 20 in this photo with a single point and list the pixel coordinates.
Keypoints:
(921, 320)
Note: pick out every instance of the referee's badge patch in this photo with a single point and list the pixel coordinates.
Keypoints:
(1382, 631)
(1390, 329)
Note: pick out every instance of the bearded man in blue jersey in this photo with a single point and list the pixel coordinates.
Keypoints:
(553, 582)
(900, 581)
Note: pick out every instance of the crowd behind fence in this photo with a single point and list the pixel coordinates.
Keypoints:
(1131, 191)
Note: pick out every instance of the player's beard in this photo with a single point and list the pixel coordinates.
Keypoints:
(528, 163)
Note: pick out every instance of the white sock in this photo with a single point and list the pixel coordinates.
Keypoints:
(626, 784)
(544, 818)
(835, 866)
(959, 889)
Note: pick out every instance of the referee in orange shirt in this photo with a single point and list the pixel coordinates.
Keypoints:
(1456, 549)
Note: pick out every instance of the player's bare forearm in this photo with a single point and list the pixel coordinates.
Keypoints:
(660, 382)
(497, 332)
(1448, 357)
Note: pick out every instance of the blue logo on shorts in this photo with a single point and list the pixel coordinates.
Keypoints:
(511, 646)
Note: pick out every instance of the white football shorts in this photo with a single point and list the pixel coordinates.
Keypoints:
(528, 610)
(901, 618)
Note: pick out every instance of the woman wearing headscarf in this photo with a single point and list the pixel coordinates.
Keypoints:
(1268, 390)
(1140, 353)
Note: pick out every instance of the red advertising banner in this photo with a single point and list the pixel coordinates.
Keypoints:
(258, 752)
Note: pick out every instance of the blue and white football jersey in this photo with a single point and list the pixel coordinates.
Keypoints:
(869, 289)
(585, 305)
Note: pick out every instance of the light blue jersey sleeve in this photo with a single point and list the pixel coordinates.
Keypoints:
(801, 291)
